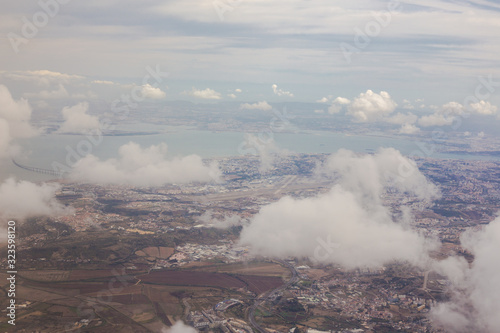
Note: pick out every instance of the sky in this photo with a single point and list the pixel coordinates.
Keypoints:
(250, 50)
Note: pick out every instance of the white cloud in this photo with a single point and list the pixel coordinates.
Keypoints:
(180, 327)
(370, 106)
(256, 106)
(280, 92)
(22, 199)
(484, 108)
(442, 116)
(401, 119)
(435, 119)
(205, 94)
(322, 100)
(237, 90)
(151, 92)
(103, 82)
(231, 95)
(42, 77)
(341, 101)
(76, 120)
(319, 111)
(452, 109)
(408, 105)
(263, 146)
(408, 129)
(348, 225)
(225, 222)
(474, 306)
(144, 167)
(337, 105)
(58, 93)
(14, 121)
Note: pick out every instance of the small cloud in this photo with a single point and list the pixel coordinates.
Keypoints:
(435, 119)
(225, 222)
(231, 95)
(237, 90)
(148, 91)
(256, 106)
(323, 100)
(76, 120)
(401, 119)
(409, 129)
(484, 108)
(408, 105)
(337, 105)
(103, 82)
(179, 327)
(319, 111)
(205, 94)
(281, 92)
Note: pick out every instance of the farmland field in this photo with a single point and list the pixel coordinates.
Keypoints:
(256, 284)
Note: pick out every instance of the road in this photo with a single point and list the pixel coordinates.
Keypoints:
(265, 296)
(426, 278)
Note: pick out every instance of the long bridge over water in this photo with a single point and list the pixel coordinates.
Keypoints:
(39, 170)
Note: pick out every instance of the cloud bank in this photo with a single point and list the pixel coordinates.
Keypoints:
(144, 167)
(349, 225)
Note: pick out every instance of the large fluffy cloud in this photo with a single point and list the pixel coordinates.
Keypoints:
(349, 225)
(371, 106)
(76, 119)
(475, 304)
(144, 167)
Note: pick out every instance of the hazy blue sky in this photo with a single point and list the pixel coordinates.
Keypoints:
(431, 50)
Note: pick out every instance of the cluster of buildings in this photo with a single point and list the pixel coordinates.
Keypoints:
(209, 319)
(224, 251)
